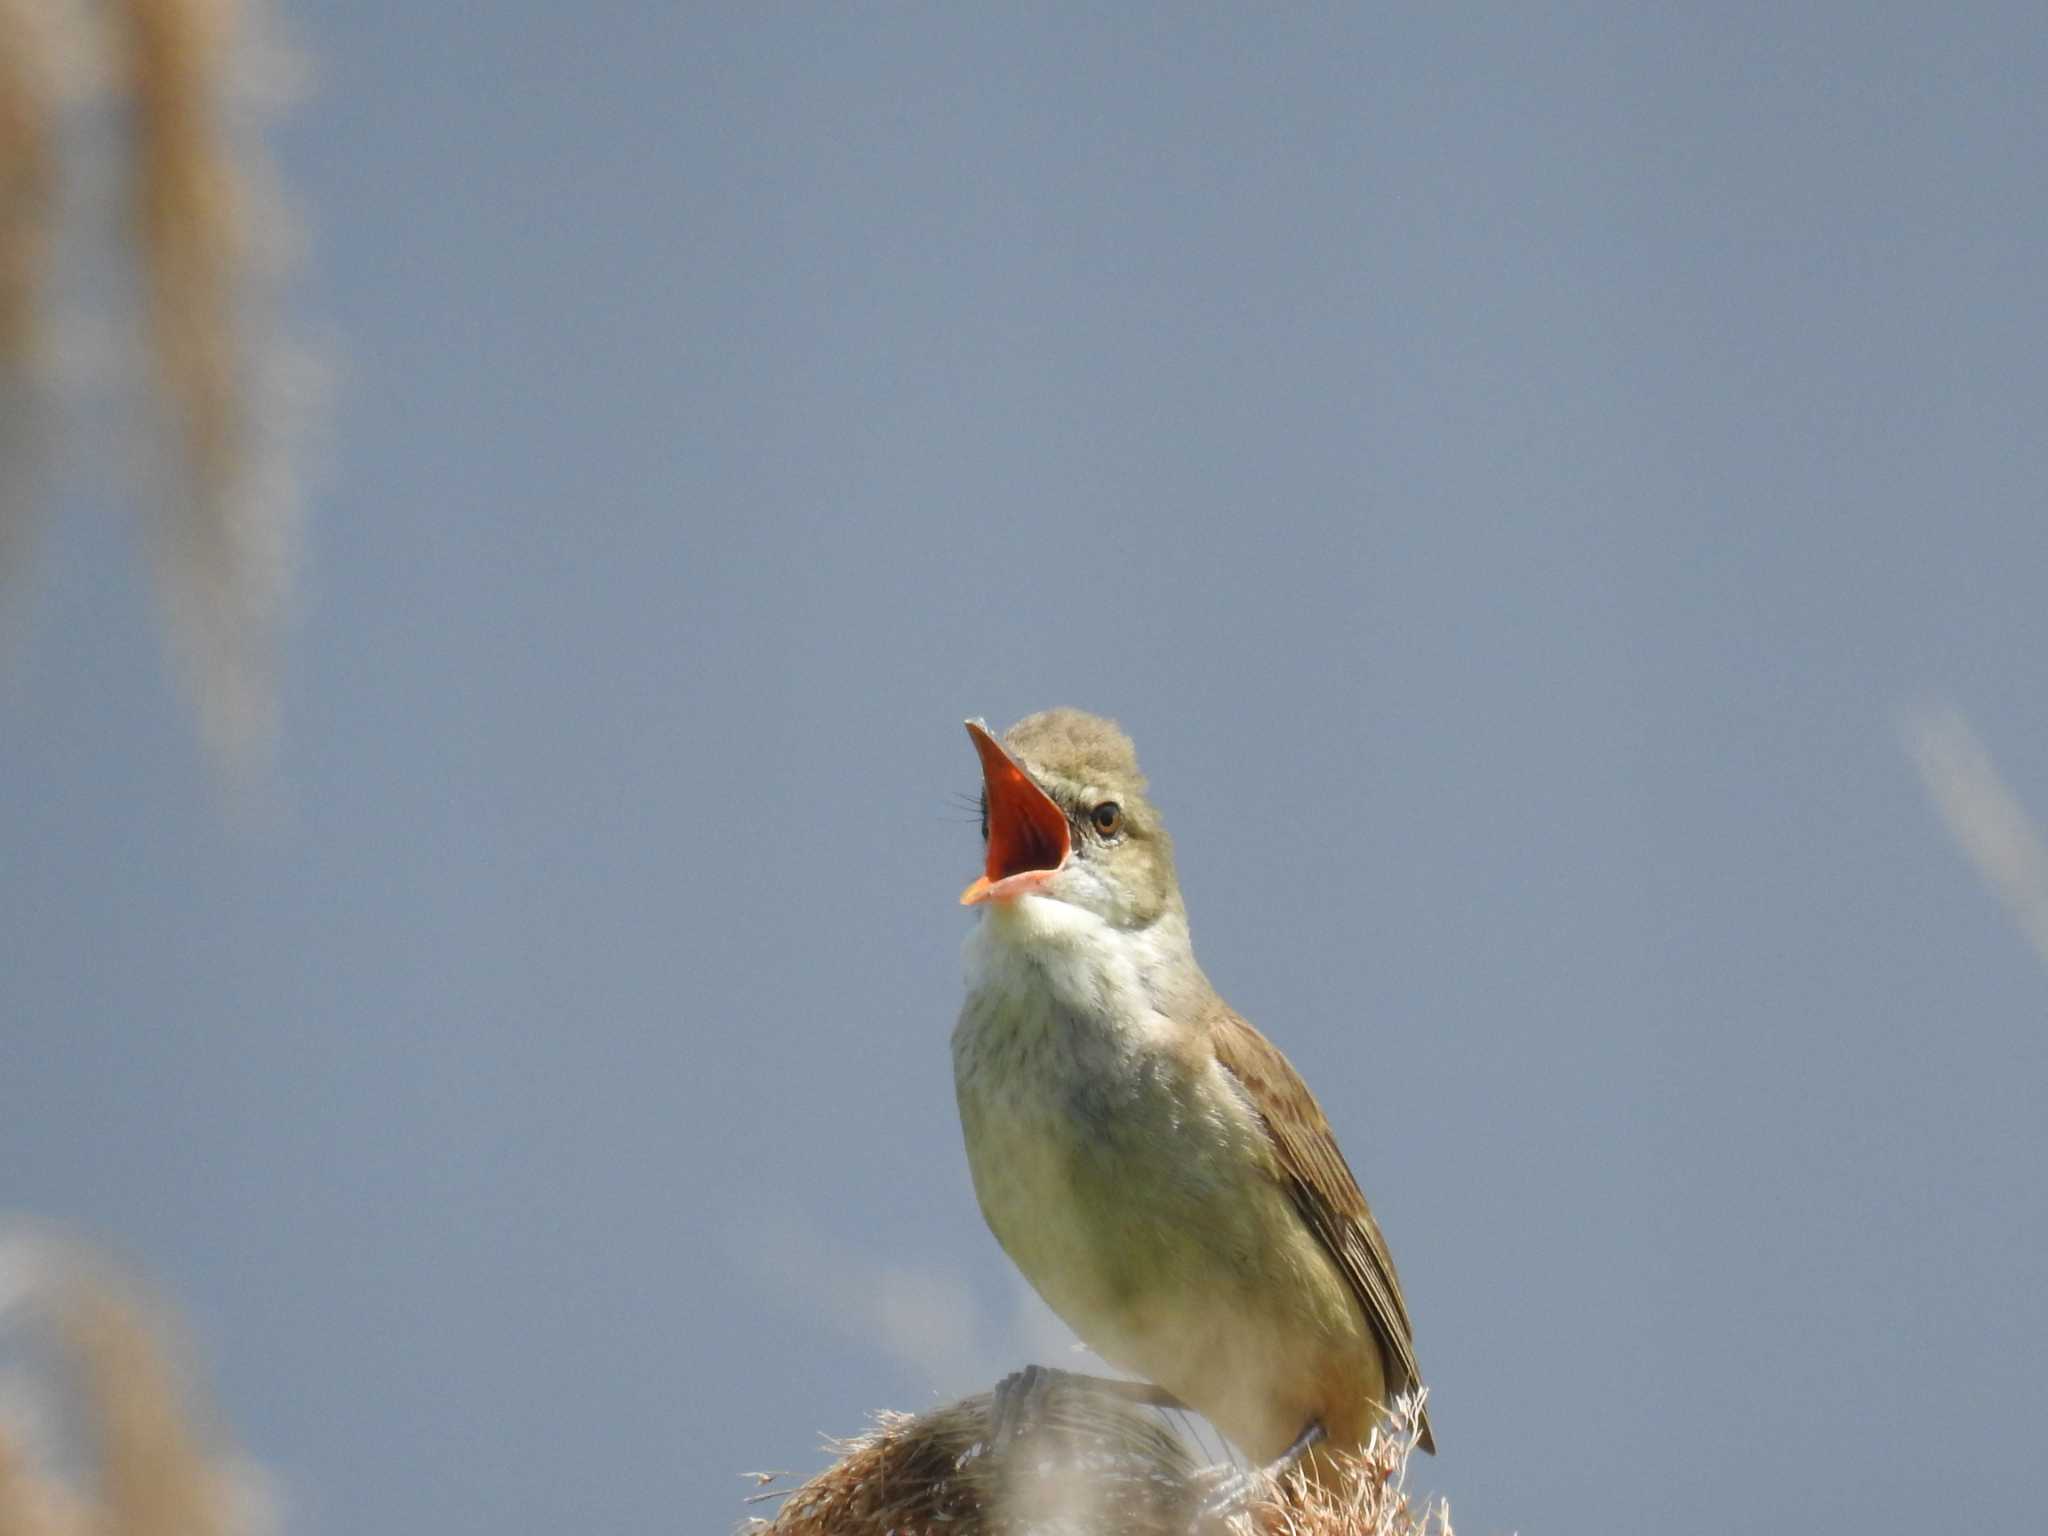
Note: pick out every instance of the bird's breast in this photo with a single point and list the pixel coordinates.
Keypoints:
(1111, 1163)
(1128, 1178)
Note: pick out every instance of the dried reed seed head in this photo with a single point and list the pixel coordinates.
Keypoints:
(1090, 1462)
(1093, 1463)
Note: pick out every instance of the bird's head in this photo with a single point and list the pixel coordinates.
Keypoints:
(1064, 816)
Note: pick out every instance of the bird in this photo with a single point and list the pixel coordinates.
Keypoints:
(1153, 1164)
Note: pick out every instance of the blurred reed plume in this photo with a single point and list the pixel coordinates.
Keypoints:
(1985, 818)
(28, 181)
(206, 247)
(1093, 1465)
(101, 1431)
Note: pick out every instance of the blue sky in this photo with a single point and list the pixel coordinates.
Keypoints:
(1525, 477)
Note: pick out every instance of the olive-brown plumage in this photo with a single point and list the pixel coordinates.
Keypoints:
(1152, 1163)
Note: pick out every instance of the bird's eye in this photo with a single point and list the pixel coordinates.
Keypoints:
(1108, 818)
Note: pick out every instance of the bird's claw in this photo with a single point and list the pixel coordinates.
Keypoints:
(1018, 1403)
(1228, 1493)
(1231, 1490)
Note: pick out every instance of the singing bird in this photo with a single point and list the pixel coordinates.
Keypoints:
(1151, 1162)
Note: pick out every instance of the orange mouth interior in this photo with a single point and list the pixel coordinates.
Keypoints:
(1027, 831)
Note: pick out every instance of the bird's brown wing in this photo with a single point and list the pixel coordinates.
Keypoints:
(1324, 1190)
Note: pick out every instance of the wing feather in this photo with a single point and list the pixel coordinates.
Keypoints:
(1325, 1191)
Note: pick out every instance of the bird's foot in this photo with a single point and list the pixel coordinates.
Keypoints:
(1226, 1493)
(1229, 1490)
(1018, 1403)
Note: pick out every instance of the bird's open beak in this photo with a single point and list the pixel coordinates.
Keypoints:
(1027, 832)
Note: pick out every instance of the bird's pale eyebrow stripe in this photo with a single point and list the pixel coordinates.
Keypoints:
(1091, 795)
